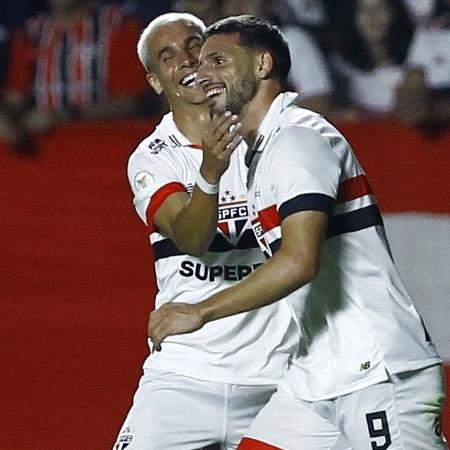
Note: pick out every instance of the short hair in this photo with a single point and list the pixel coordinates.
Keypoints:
(142, 47)
(256, 33)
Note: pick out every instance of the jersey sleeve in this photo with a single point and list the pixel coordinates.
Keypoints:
(304, 173)
(152, 180)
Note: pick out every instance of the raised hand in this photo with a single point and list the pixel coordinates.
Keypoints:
(170, 319)
(221, 137)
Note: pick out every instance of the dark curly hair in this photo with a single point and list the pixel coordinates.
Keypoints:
(256, 33)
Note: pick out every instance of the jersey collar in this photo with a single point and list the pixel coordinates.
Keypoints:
(175, 137)
(270, 124)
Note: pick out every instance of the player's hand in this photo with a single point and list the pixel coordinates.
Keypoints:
(170, 319)
(221, 137)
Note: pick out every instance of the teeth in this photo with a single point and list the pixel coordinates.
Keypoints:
(189, 79)
(215, 91)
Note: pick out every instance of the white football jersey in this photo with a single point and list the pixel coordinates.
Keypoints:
(249, 348)
(357, 320)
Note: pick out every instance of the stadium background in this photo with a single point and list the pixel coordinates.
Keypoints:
(76, 279)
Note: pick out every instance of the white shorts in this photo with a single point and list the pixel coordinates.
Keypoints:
(402, 413)
(175, 412)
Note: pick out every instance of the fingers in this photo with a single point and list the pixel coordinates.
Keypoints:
(225, 128)
(156, 330)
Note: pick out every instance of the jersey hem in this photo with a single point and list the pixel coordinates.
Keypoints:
(215, 377)
(395, 369)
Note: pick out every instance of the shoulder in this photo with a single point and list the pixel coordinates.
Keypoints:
(153, 150)
(300, 126)
(300, 140)
(304, 136)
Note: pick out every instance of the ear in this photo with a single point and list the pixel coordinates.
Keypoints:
(154, 83)
(264, 64)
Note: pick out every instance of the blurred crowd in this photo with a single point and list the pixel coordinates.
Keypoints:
(65, 60)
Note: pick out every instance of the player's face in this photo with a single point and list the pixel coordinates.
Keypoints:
(174, 51)
(227, 74)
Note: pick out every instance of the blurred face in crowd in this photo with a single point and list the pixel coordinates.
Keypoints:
(207, 10)
(373, 19)
(66, 6)
(174, 52)
(227, 73)
(253, 7)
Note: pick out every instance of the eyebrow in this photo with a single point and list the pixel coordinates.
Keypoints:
(161, 51)
(211, 54)
(187, 41)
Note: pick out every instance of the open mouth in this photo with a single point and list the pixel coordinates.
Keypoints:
(212, 92)
(189, 80)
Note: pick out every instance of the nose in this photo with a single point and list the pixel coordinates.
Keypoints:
(187, 59)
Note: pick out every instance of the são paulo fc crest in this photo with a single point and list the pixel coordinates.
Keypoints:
(233, 217)
(125, 438)
(259, 232)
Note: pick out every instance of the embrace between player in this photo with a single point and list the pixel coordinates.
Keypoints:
(365, 367)
(205, 387)
(365, 371)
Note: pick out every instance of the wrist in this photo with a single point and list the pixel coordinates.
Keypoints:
(202, 312)
(205, 186)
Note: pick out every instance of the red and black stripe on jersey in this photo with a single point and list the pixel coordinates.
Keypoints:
(339, 223)
(166, 247)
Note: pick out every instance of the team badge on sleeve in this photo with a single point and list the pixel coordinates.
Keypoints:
(156, 146)
(125, 438)
(143, 180)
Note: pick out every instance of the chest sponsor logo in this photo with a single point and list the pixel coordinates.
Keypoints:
(212, 273)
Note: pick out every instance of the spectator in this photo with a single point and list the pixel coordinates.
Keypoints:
(258, 8)
(76, 62)
(374, 40)
(311, 80)
(304, 12)
(13, 14)
(424, 95)
(316, 17)
(420, 10)
(146, 10)
(208, 10)
(309, 74)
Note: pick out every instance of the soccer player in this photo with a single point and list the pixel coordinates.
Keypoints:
(365, 367)
(206, 387)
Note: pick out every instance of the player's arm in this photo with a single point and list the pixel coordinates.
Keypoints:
(191, 221)
(304, 179)
(295, 264)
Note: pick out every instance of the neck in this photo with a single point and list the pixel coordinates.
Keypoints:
(254, 112)
(191, 120)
